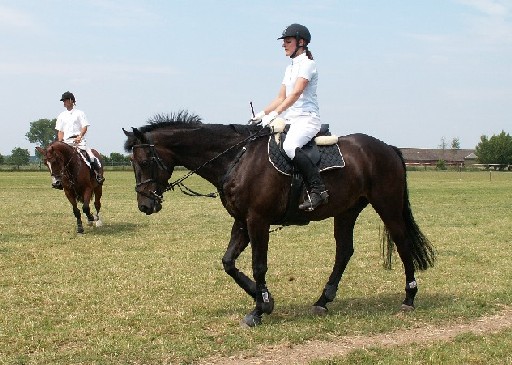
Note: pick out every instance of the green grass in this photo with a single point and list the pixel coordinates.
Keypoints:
(152, 290)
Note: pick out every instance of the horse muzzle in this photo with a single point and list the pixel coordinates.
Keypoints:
(149, 203)
(150, 207)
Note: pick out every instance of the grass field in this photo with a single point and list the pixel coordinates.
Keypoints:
(152, 290)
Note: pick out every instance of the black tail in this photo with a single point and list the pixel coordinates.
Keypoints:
(423, 253)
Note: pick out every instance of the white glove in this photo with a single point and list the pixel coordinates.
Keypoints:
(257, 118)
(267, 119)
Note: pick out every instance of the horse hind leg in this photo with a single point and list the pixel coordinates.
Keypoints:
(344, 236)
(97, 206)
(396, 228)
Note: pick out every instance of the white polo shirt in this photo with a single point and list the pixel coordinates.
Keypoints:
(71, 122)
(307, 103)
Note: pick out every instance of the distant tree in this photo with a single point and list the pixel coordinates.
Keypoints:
(495, 150)
(443, 145)
(19, 157)
(42, 132)
(2, 159)
(455, 144)
(119, 159)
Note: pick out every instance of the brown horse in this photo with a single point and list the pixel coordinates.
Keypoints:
(78, 181)
(234, 159)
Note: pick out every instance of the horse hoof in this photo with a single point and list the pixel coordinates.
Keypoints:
(406, 308)
(98, 223)
(251, 320)
(319, 311)
(90, 223)
(80, 230)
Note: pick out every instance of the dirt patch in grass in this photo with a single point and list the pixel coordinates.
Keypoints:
(317, 350)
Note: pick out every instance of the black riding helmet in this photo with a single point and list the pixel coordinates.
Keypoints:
(68, 95)
(298, 31)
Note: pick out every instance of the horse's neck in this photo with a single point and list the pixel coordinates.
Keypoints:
(70, 156)
(212, 161)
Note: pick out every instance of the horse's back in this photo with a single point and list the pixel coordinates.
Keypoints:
(370, 153)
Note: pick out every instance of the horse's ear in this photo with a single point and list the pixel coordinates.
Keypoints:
(40, 150)
(139, 135)
(127, 134)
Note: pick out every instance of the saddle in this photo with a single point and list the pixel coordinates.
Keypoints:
(323, 150)
(84, 156)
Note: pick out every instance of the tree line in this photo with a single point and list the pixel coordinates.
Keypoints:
(496, 149)
(42, 132)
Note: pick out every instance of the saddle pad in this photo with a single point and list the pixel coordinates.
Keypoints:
(83, 154)
(330, 158)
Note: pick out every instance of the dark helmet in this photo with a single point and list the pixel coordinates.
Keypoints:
(68, 95)
(297, 31)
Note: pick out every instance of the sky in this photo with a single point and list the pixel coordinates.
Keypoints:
(411, 72)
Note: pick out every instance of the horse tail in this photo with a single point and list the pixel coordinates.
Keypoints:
(423, 253)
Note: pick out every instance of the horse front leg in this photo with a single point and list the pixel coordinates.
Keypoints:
(237, 244)
(78, 216)
(76, 211)
(259, 236)
(86, 208)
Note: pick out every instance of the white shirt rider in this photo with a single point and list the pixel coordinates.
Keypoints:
(70, 123)
(307, 102)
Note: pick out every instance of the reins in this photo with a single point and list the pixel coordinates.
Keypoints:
(190, 192)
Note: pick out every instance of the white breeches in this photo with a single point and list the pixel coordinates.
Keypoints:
(83, 146)
(303, 128)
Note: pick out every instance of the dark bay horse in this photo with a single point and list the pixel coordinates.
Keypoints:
(234, 159)
(79, 183)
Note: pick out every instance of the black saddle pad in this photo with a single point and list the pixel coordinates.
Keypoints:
(330, 157)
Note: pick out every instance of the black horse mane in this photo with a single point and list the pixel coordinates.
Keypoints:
(165, 119)
(184, 118)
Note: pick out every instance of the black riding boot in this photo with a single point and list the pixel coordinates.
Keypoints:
(317, 193)
(97, 170)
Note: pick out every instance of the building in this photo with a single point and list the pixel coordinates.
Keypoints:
(431, 157)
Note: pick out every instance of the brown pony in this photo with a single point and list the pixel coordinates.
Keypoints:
(234, 158)
(78, 181)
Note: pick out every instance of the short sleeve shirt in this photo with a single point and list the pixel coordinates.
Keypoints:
(71, 122)
(303, 67)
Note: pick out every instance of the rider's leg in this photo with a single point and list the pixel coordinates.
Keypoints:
(96, 165)
(302, 130)
(317, 193)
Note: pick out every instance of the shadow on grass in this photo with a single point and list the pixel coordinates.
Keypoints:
(385, 304)
(114, 228)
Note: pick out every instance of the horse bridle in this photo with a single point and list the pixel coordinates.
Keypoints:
(155, 163)
(64, 168)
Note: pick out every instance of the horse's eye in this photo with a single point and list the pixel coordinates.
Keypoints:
(144, 163)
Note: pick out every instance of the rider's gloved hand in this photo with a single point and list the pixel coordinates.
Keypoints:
(267, 119)
(258, 117)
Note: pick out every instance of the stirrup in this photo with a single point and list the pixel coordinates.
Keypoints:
(314, 201)
(100, 179)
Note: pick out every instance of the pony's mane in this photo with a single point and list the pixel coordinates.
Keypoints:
(162, 120)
